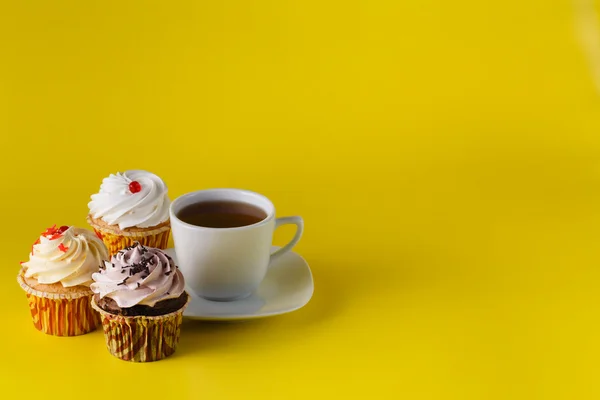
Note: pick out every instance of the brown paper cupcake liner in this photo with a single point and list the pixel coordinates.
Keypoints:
(141, 338)
(116, 239)
(61, 314)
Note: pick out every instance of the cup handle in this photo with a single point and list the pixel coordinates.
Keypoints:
(299, 222)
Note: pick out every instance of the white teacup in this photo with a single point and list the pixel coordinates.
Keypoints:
(227, 264)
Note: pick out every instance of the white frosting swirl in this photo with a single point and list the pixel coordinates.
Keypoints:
(116, 204)
(139, 275)
(68, 255)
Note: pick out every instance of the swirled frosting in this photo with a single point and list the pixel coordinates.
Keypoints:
(132, 199)
(139, 275)
(68, 255)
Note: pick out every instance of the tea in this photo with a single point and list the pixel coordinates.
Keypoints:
(221, 214)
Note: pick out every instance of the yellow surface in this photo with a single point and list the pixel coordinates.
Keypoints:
(444, 155)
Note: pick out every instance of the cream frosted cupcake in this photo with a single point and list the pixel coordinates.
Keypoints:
(140, 296)
(57, 278)
(131, 207)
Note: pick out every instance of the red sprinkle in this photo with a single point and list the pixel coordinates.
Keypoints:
(99, 234)
(62, 248)
(135, 187)
(54, 233)
(50, 231)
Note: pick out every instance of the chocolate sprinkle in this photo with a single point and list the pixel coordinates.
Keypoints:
(130, 247)
(124, 281)
(142, 266)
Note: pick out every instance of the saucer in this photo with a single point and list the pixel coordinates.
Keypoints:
(287, 287)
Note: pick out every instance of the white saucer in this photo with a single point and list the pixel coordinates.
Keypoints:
(287, 286)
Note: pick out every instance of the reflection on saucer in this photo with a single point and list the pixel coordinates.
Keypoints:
(199, 306)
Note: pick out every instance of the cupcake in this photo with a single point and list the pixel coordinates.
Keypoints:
(140, 296)
(57, 280)
(131, 207)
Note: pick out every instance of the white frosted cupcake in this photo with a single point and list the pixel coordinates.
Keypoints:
(57, 280)
(130, 207)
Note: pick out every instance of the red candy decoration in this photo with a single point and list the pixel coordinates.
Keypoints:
(55, 233)
(135, 187)
(62, 248)
(50, 231)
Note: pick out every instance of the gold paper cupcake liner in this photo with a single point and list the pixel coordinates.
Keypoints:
(61, 314)
(141, 338)
(116, 240)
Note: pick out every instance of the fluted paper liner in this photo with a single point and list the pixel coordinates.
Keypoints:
(141, 338)
(61, 314)
(116, 239)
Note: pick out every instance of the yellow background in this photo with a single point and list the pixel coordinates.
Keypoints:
(444, 155)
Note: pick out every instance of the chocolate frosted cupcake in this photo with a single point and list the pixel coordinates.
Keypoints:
(131, 207)
(57, 280)
(140, 296)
